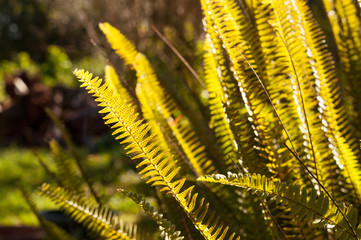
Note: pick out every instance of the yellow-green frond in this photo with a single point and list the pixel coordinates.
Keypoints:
(217, 100)
(333, 112)
(304, 204)
(157, 105)
(167, 229)
(52, 230)
(344, 17)
(97, 219)
(122, 46)
(66, 169)
(78, 160)
(240, 43)
(112, 79)
(157, 164)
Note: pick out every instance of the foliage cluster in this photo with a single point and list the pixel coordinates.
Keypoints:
(283, 124)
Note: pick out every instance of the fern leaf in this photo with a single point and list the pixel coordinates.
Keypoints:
(240, 41)
(121, 45)
(157, 164)
(324, 120)
(51, 229)
(219, 118)
(153, 98)
(304, 204)
(166, 227)
(98, 219)
(66, 171)
(78, 160)
(332, 110)
(344, 16)
(112, 79)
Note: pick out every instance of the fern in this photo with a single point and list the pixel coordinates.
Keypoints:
(304, 204)
(66, 171)
(167, 229)
(153, 98)
(52, 230)
(158, 165)
(112, 79)
(344, 17)
(78, 161)
(99, 220)
(276, 108)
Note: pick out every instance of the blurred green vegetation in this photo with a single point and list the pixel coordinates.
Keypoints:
(17, 167)
(56, 70)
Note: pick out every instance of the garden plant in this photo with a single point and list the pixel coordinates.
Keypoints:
(272, 153)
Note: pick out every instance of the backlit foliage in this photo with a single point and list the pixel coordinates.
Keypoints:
(283, 116)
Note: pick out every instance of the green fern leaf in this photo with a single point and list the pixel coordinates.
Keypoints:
(166, 227)
(66, 171)
(98, 219)
(113, 81)
(51, 229)
(158, 166)
(304, 204)
(153, 98)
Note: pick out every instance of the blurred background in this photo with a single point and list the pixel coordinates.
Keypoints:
(41, 43)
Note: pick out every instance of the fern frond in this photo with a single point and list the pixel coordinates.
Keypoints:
(122, 46)
(52, 174)
(154, 98)
(308, 137)
(112, 79)
(246, 142)
(97, 219)
(344, 16)
(304, 204)
(166, 227)
(66, 172)
(219, 86)
(157, 164)
(333, 112)
(217, 98)
(78, 160)
(51, 229)
(322, 118)
(240, 41)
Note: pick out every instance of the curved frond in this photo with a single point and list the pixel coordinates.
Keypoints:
(304, 204)
(156, 103)
(97, 219)
(52, 230)
(158, 165)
